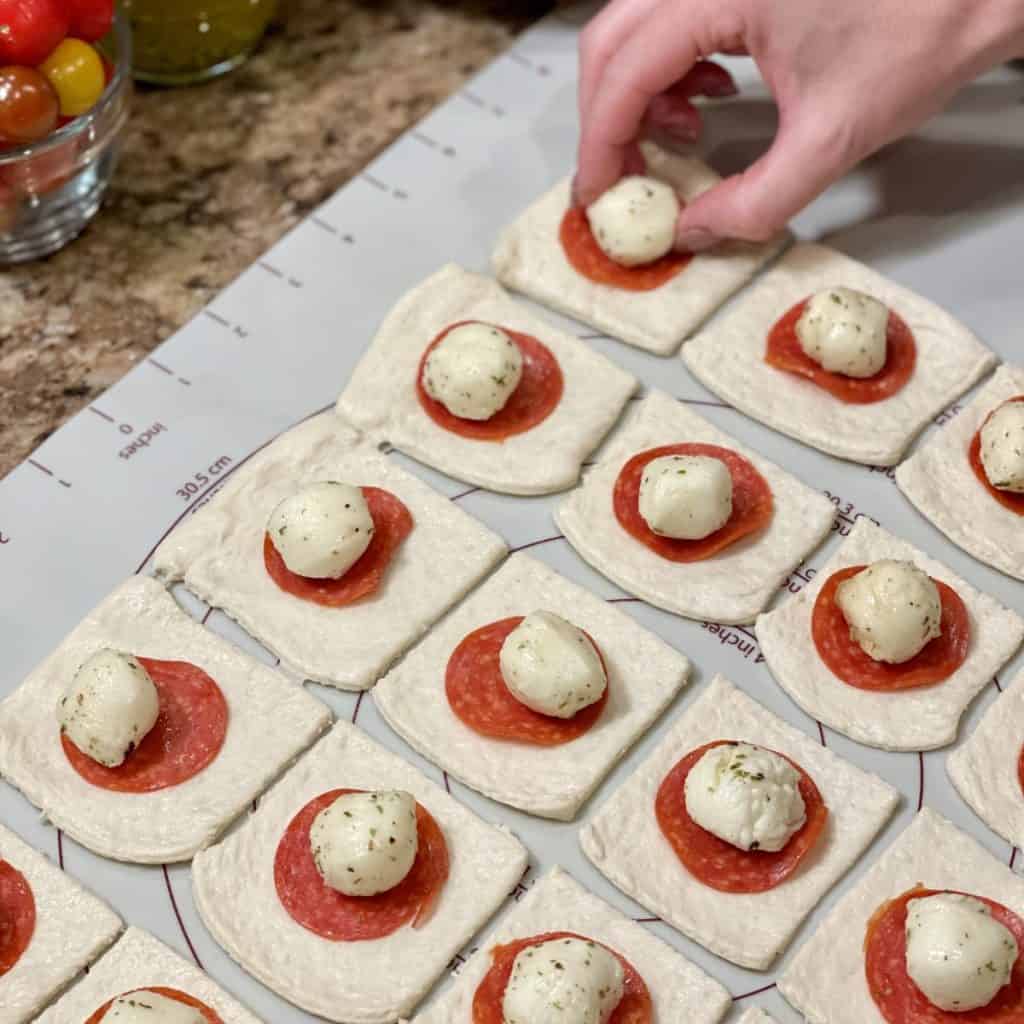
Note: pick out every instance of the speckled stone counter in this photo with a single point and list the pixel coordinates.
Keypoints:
(212, 176)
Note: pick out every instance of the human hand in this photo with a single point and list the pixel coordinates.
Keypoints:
(848, 78)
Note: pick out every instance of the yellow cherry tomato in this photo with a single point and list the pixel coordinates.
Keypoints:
(76, 73)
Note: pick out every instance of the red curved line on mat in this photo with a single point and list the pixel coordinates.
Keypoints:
(464, 494)
(623, 600)
(447, 784)
(920, 780)
(821, 734)
(536, 543)
(647, 920)
(756, 992)
(995, 679)
(355, 710)
(181, 923)
(1013, 856)
(60, 849)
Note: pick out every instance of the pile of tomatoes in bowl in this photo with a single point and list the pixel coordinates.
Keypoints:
(51, 70)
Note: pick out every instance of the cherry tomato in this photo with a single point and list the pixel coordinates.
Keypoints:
(90, 19)
(28, 105)
(76, 72)
(30, 30)
(43, 172)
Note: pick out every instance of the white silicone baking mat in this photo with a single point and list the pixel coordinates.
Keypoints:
(942, 213)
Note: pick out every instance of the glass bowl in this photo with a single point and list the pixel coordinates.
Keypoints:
(51, 189)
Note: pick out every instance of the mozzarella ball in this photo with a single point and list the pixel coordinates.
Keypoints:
(563, 981)
(892, 608)
(322, 530)
(145, 1007)
(551, 666)
(109, 707)
(686, 497)
(1002, 447)
(958, 955)
(365, 843)
(845, 331)
(634, 222)
(747, 796)
(473, 371)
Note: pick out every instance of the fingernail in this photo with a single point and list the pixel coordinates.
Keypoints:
(696, 240)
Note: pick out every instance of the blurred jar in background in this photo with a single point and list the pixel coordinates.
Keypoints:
(177, 42)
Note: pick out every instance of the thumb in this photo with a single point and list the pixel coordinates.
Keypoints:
(758, 203)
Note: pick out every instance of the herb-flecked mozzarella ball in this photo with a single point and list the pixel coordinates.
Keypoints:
(634, 222)
(845, 331)
(473, 371)
(1002, 447)
(892, 608)
(365, 843)
(551, 666)
(563, 981)
(958, 955)
(109, 707)
(147, 1007)
(687, 497)
(322, 530)
(747, 796)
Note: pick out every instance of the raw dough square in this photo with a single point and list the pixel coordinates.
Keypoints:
(530, 259)
(918, 719)
(728, 357)
(218, 552)
(730, 587)
(624, 841)
(381, 396)
(679, 990)
(939, 480)
(73, 927)
(271, 721)
(984, 768)
(825, 979)
(644, 675)
(356, 982)
(140, 961)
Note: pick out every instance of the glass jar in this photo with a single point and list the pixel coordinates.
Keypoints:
(182, 41)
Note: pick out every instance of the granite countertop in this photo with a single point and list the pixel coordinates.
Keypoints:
(212, 176)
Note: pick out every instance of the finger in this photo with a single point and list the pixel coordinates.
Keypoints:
(644, 67)
(758, 203)
(601, 37)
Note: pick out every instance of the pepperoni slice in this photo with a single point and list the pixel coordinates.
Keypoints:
(1008, 499)
(187, 737)
(392, 523)
(478, 695)
(718, 864)
(535, 398)
(845, 658)
(168, 993)
(17, 915)
(634, 1007)
(899, 1000)
(338, 917)
(784, 353)
(752, 503)
(590, 260)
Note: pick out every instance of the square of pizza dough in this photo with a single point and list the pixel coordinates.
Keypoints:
(728, 358)
(381, 396)
(922, 718)
(825, 978)
(72, 928)
(644, 674)
(271, 720)
(624, 841)
(679, 990)
(985, 769)
(370, 982)
(139, 961)
(218, 552)
(939, 480)
(529, 258)
(731, 586)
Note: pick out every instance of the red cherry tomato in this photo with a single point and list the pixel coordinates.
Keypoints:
(90, 19)
(29, 107)
(42, 173)
(30, 30)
